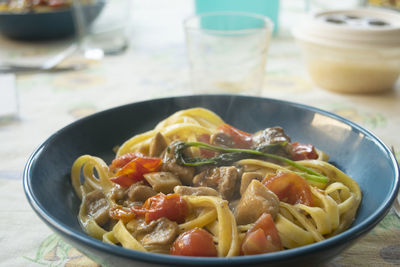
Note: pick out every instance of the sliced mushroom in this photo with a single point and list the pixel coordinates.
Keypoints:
(247, 177)
(275, 135)
(157, 145)
(139, 192)
(223, 179)
(164, 233)
(222, 139)
(256, 200)
(195, 191)
(184, 173)
(97, 207)
(162, 181)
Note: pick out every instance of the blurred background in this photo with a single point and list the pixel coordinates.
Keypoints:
(57, 81)
(61, 61)
(153, 56)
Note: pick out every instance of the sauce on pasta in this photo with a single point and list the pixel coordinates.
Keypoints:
(196, 186)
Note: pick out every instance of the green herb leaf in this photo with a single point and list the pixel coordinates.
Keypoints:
(230, 155)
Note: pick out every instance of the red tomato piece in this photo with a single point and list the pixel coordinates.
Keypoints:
(150, 164)
(240, 138)
(255, 243)
(125, 180)
(304, 151)
(171, 206)
(121, 161)
(290, 188)
(263, 237)
(196, 242)
(206, 153)
(121, 213)
(133, 171)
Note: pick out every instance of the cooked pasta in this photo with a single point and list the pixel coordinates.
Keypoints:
(196, 186)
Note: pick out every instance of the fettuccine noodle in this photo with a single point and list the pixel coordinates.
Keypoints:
(333, 209)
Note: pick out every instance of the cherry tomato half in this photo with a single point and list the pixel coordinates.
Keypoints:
(290, 188)
(171, 206)
(263, 237)
(196, 242)
(133, 171)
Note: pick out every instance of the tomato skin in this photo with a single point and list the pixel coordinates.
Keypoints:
(121, 213)
(266, 223)
(196, 242)
(206, 153)
(240, 138)
(262, 238)
(133, 171)
(290, 188)
(255, 243)
(122, 160)
(129, 174)
(303, 151)
(171, 206)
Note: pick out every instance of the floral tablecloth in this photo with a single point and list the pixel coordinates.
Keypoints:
(155, 66)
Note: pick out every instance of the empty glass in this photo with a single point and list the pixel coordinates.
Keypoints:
(227, 51)
(102, 26)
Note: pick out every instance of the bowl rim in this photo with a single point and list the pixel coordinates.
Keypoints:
(348, 235)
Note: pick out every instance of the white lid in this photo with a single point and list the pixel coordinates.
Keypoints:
(352, 28)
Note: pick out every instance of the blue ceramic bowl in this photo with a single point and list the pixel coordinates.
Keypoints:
(353, 149)
(49, 25)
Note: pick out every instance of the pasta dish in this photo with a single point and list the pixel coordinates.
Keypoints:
(23, 6)
(197, 186)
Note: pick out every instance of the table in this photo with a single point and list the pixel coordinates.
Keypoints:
(155, 66)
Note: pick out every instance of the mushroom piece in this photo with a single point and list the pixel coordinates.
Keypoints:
(256, 200)
(222, 139)
(162, 181)
(247, 177)
(184, 173)
(139, 192)
(275, 135)
(157, 145)
(195, 191)
(164, 233)
(222, 179)
(97, 207)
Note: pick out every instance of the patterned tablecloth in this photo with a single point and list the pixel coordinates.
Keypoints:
(155, 66)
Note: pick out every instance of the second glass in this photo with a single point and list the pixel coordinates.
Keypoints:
(102, 26)
(227, 51)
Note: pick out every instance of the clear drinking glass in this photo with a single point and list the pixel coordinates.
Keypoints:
(227, 51)
(102, 26)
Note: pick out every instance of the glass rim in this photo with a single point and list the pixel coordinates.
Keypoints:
(268, 23)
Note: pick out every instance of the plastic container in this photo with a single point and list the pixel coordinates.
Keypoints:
(352, 51)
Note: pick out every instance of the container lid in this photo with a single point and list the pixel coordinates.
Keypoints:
(351, 28)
